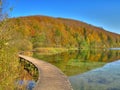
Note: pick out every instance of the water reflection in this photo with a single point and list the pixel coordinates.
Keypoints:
(105, 78)
(76, 62)
(25, 84)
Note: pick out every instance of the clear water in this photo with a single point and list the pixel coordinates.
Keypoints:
(88, 70)
(26, 84)
(104, 78)
(78, 62)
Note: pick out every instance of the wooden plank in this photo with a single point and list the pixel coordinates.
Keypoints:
(50, 77)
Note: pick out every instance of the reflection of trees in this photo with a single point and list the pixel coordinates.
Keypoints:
(110, 55)
(93, 55)
(118, 54)
(82, 55)
(101, 57)
(97, 55)
(80, 61)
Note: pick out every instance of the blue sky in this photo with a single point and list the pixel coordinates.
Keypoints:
(101, 13)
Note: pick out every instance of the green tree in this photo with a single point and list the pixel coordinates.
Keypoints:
(38, 40)
(85, 33)
(82, 43)
(57, 37)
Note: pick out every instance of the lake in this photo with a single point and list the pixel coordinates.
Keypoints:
(88, 69)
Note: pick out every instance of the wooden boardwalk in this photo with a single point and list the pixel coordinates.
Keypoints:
(50, 77)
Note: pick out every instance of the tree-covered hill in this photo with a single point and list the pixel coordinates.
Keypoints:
(43, 31)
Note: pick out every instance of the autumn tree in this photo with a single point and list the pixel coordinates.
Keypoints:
(57, 38)
(79, 40)
(8, 58)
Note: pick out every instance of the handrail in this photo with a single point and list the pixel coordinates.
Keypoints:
(50, 77)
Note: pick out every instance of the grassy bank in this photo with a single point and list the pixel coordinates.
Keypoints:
(52, 50)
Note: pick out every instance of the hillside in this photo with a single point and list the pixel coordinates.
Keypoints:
(43, 31)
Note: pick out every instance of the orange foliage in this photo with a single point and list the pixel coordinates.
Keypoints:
(88, 35)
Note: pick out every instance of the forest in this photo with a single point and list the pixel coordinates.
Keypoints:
(44, 31)
(33, 32)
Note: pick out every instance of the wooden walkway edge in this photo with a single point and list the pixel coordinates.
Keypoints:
(50, 77)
